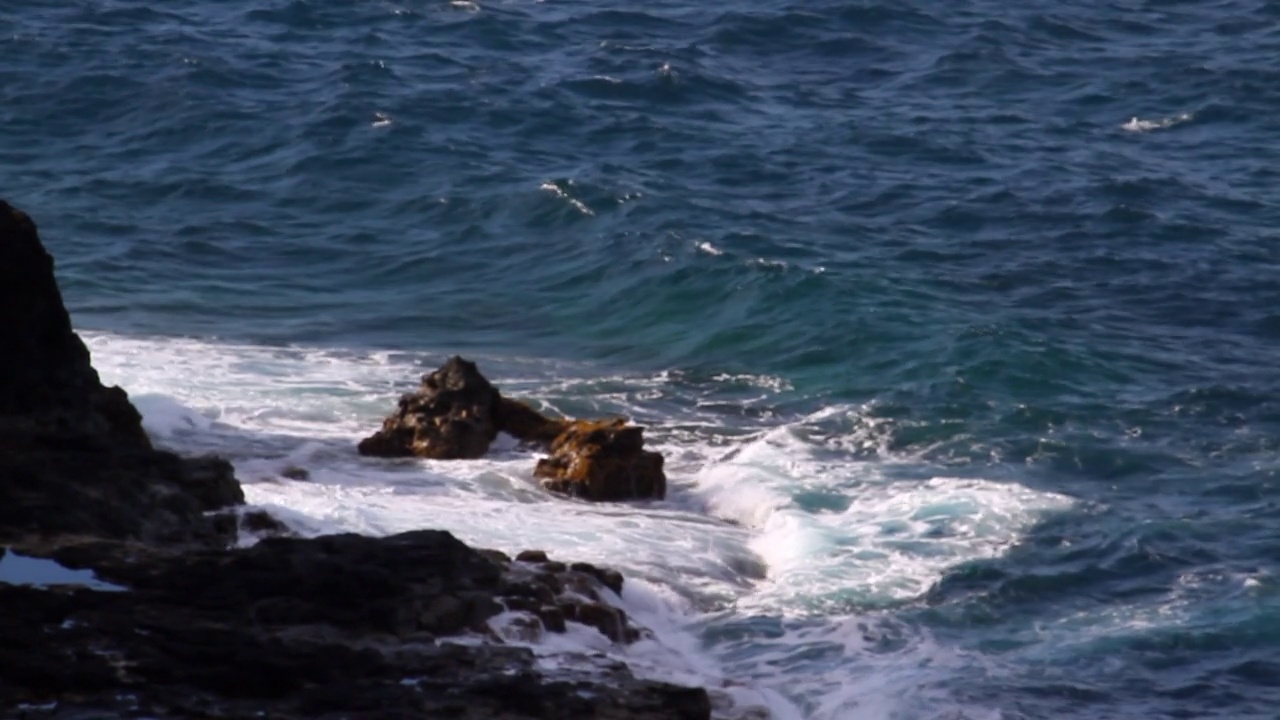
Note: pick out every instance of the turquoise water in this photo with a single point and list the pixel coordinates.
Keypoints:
(956, 322)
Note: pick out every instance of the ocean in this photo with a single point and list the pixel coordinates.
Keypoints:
(957, 323)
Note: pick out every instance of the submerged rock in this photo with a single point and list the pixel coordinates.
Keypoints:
(603, 460)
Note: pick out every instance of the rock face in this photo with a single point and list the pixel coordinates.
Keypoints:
(73, 455)
(603, 460)
(457, 413)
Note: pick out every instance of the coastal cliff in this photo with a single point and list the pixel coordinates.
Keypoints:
(123, 591)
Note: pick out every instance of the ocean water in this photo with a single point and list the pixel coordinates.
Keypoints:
(956, 322)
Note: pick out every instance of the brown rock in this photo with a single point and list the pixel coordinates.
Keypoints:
(524, 423)
(609, 620)
(532, 556)
(450, 417)
(552, 618)
(603, 460)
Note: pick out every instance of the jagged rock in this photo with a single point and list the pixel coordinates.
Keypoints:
(603, 460)
(450, 417)
(457, 413)
(73, 455)
(48, 388)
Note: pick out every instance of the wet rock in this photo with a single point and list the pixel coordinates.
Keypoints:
(603, 460)
(524, 423)
(260, 522)
(496, 556)
(552, 618)
(532, 556)
(449, 417)
(608, 577)
(333, 626)
(609, 620)
(293, 472)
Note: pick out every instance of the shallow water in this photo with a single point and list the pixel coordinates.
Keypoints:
(956, 324)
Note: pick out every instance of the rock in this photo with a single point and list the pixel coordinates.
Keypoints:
(496, 556)
(524, 423)
(450, 417)
(552, 618)
(336, 626)
(603, 460)
(609, 620)
(48, 388)
(532, 556)
(260, 522)
(73, 454)
(293, 472)
(457, 413)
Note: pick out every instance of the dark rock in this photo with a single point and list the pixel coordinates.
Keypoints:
(333, 626)
(552, 618)
(608, 577)
(48, 389)
(496, 556)
(293, 472)
(532, 556)
(450, 417)
(603, 460)
(609, 620)
(262, 523)
(73, 454)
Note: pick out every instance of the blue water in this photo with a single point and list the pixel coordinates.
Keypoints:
(957, 321)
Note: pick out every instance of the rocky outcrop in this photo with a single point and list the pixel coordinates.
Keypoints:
(450, 417)
(603, 460)
(337, 626)
(73, 455)
(457, 413)
(178, 624)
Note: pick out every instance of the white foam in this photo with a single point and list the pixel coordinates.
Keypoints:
(555, 189)
(1136, 125)
(867, 538)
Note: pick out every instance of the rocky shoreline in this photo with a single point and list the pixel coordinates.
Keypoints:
(179, 622)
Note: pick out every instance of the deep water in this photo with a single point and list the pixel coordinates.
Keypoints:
(957, 322)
